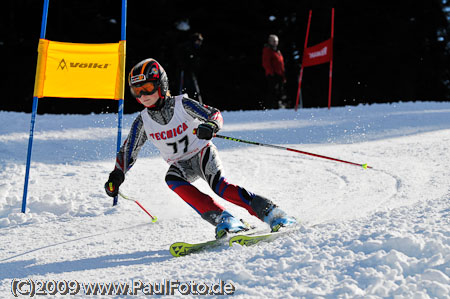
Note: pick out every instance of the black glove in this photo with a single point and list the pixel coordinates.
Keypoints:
(206, 130)
(116, 178)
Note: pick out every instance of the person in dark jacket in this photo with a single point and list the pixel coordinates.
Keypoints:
(188, 65)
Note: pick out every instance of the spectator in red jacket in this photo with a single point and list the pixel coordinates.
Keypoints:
(273, 63)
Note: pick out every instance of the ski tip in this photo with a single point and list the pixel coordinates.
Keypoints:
(177, 249)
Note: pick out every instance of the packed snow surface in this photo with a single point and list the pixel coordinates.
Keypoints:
(366, 233)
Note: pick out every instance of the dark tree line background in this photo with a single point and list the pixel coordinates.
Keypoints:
(384, 51)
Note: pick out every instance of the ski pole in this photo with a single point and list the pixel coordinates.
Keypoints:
(365, 166)
(138, 203)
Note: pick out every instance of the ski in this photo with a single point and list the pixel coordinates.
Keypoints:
(248, 240)
(251, 240)
(178, 249)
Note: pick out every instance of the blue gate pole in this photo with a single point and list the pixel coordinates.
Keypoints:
(33, 116)
(121, 102)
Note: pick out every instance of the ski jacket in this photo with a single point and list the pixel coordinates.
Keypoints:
(167, 128)
(272, 61)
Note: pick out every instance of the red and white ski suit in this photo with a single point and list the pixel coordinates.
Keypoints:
(171, 130)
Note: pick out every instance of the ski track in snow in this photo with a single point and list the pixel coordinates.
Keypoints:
(375, 233)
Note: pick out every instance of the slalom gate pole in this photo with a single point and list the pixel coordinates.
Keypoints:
(154, 219)
(33, 115)
(123, 37)
(301, 66)
(365, 166)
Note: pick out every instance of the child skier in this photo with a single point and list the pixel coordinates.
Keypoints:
(169, 122)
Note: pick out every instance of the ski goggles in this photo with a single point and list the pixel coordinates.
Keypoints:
(146, 88)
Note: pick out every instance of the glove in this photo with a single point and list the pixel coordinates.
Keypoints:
(206, 130)
(116, 178)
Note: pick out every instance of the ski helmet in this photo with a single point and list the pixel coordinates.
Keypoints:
(147, 77)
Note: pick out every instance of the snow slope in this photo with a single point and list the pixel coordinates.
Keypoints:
(381, 232)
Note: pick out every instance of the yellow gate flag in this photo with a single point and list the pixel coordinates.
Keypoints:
(71, 70)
